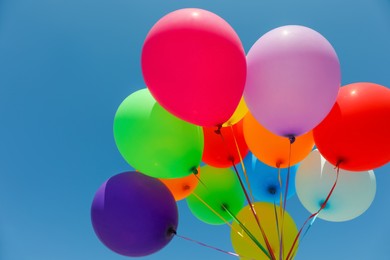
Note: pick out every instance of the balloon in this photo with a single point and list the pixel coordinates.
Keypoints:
(244, 246)
(220, 152)
(293, 80)
(155, 142)
(272, 149)
(355, 134)
(133, 214)
(181, 187)
(352, 195)
(221, 189)
(239, 114)
(194, 65)
(264, 180)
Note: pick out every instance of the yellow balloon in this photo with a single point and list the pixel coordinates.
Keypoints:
(245, 247)
(239, 114)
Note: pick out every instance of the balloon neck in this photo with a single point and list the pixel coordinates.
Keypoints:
(224, 206)
(218, 131)
(291, 138)
(272, 190)
(171, 231)
(194, 170)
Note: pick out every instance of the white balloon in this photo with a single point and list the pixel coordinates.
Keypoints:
(351, 197)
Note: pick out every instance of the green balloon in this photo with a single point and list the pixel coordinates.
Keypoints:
(219, 188)
(155, 142)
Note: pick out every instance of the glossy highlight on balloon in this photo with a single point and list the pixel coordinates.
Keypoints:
(133, 214)
(293, 80)
(356, 133)
(194, 64)
(155, 142)
(352, 196)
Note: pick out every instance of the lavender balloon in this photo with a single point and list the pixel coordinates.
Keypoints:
(133, 214)
(293, 80)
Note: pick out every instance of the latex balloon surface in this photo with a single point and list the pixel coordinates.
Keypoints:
(244, 246)
(155, 142)
(194, 64)
(264, 180)
(355, 134)
(293, 79)
(239, 114)
(352, 196)
(181, 187)
(272, 149)
(132, 214)
(220, 188)
(224, 149)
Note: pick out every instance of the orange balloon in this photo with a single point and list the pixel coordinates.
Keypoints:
(181, 187)
(272, 149)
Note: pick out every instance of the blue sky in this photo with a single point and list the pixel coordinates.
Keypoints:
(66, 65)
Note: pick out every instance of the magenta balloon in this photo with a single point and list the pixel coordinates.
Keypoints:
(293, 80)
(194, 64)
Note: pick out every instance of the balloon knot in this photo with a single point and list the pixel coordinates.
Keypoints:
(171, 230)
(224, 206)
(291, 138)
(272, 190)
(194, 170)
(218, 131)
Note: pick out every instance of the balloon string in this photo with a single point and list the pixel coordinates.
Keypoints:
(242, 165)
(292, 140)
(256, 216)
(215, 212)
(316, 213)
(218, 132)
(208, 246)
(276, 220)
(280, 206)
(227, 222)
(248, 233)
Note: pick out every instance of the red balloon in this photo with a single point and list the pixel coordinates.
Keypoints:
(220, 152)
(194, 64)
(356, 133)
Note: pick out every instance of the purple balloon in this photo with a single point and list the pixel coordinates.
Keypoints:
(134, 214)
(293, 80)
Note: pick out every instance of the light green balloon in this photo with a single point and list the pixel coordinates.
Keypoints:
(155, 142)
(218, 187)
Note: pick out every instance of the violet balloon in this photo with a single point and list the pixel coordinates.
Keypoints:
(293, 79)
(134, 214)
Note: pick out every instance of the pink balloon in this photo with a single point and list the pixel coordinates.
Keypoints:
(194, 64)
(293, 80)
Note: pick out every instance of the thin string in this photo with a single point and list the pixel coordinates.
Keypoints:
(316, 213)
(256, 217)
(215, 212)
(208, 246)
(248, 232)
(276, 220)
(280, 208)
(292, 140)
(250, 235)
(242, 165)
(218, 131)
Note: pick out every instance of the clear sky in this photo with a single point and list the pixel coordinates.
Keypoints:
(66, 65)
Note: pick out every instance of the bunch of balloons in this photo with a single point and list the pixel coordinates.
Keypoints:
(230, 132)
